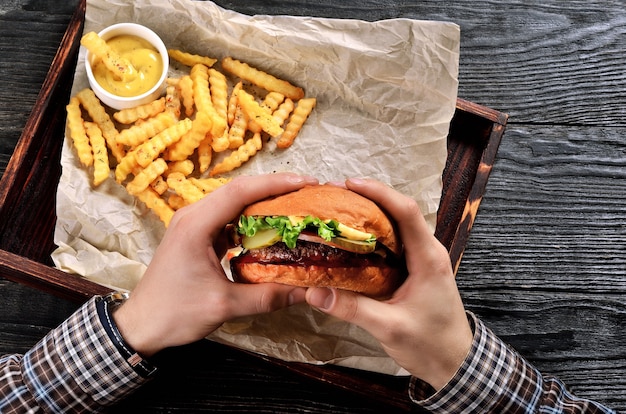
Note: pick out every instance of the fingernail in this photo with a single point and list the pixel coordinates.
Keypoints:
(297, 179)
(322, 298)
(357, 181)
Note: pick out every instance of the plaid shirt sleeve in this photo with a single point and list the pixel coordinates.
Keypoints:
(496, 379)
(74, 368)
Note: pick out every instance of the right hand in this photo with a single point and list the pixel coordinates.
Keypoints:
(185, 294)
(423, 327)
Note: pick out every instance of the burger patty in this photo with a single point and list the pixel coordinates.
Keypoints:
(310, 254)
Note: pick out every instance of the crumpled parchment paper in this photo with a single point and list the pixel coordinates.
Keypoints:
(386, 93)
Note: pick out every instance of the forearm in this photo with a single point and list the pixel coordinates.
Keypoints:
(495, 378)
(75, 368)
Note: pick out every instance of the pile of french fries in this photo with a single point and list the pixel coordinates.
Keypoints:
(162, 152)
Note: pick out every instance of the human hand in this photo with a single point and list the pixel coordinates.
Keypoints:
(184, 294)
(423, 327)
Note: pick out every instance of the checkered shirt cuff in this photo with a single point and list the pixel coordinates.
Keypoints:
(494, 378)
(76, 367)
(478, 383)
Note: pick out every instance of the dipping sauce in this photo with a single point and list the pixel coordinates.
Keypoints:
(142, 55)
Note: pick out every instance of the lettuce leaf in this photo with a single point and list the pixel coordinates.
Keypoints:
(288, 231)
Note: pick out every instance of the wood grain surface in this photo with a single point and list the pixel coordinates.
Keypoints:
(545, 264)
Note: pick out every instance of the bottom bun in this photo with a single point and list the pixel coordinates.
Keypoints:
(371, 281)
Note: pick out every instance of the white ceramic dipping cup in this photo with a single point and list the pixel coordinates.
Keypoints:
(121, 102)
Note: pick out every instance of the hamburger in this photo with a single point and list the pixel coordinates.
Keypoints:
(318, 236)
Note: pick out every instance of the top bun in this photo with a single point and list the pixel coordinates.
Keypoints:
(329, 202)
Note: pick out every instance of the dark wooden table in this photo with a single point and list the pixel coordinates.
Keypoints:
(545, 265)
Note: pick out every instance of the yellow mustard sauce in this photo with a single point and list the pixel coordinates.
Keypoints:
(142, 55)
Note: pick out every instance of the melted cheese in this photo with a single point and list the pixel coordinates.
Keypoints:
(353, 234)
(142, 55)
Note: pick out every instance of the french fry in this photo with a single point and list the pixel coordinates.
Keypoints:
(221, 143)
(101, 167)
(208, 185)
(184, 188)
(185, 167)
(189, 59)
(176, 202)
(205, 153)
(232, 103)
(130, 115)
(282, 113)
(186, 92)
(78, 133)
(121, 68)
(237, 130)
(98, 114)
(219, 92)
(261, 78)
(199, 74)
(202, 98)
(172, 101)
(260, 115)
(127, 165)
(299, 116)
(271, 102)
(238, 157)
(150, 150)
(159, 185)
(146, 176)
(155, 203)
(138, 134)
(201, 125)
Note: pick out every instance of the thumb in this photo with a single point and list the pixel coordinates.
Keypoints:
(348, 306)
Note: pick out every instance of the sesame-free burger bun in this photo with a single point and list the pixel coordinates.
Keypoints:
(341, 261)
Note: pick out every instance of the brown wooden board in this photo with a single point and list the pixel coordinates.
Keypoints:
(28, 211)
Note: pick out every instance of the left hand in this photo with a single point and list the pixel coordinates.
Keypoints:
(184, 294)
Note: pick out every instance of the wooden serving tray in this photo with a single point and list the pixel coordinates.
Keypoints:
(28, 212)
